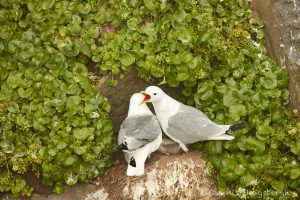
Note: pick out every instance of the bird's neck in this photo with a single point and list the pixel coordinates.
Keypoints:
(139, 110)
(166, 107)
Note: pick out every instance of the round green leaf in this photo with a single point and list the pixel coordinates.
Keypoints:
(73, 101)
(127, 59)
(182, 76)
(247, 180)
(70, 50)
(70, 160)
(278, 185)
(132, 23)
(80, 149)
(236, 111)
(240, 170)
(295, 173)
(213, 147)
(25, 93)
(229, 100)
(150, 29)
(46, 4)
(268, 82)
(295, 148)
(180, 16)
(82, 133)
(157, 72)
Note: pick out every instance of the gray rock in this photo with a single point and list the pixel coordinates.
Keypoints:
(282, 19)
(168, 147)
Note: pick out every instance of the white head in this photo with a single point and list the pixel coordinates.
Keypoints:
(153, 94)
(136, 99)
(164, 105)
(135, 105)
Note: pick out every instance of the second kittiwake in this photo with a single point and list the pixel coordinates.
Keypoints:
(185, 124)
(140, 134)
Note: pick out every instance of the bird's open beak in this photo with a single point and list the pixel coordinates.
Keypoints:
(146, 97)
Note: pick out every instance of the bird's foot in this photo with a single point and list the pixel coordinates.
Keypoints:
(183, 147)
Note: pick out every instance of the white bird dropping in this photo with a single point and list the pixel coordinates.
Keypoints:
(140, 135)
(185, 124)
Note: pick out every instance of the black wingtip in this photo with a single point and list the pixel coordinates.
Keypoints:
(236, 127)
(132, 162)
(123, 146)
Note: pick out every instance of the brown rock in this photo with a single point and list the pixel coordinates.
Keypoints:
(169, 177)
(282, 19)
(168, 146)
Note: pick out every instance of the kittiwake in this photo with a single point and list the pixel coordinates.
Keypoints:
(139, 135)
(185, 124)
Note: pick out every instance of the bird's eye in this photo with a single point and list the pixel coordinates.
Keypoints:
(154, 93)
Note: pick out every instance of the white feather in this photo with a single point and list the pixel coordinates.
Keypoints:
(182, 123)
(140, 149)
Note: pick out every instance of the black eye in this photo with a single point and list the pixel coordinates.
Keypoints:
(154, 93)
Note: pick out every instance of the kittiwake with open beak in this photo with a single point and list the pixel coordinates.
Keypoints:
(185, 124)
(140, 134)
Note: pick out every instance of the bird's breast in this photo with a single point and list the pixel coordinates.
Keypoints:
(163, 124)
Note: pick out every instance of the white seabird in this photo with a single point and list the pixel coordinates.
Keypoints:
(185, 124)
(139, 135)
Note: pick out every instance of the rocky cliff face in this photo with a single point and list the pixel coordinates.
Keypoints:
(282, 18)
(180, 176)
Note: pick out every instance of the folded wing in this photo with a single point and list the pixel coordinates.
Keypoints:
(137, 131)
(190, 125)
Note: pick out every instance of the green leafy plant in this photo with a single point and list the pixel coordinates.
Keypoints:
(214, 49)
(52, 120)
(54, 123)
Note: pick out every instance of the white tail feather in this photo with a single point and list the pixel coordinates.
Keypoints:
(135, 171)
(221, 137)
(140, 155)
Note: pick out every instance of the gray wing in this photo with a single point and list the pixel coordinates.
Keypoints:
(138, 131)
(190, 125)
